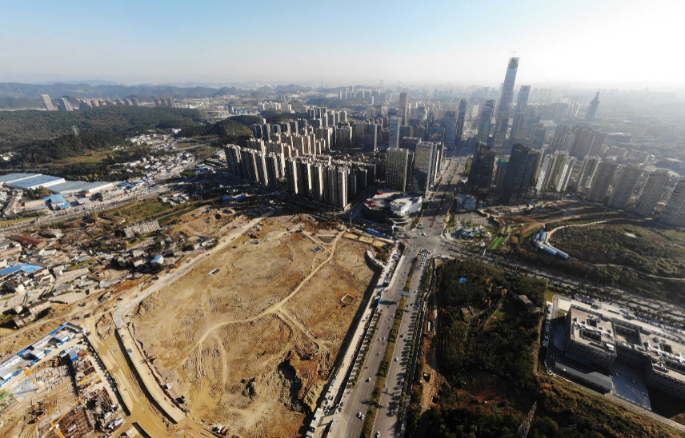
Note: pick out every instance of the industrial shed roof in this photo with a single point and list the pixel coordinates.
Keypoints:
(36, 181)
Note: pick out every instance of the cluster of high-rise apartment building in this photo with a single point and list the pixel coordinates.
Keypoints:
(296, 154)
(87, 103)
(414, 167)
(316, 177)
(434, 122)
(332, 126)
(274, 106)
(167, 102)
(373, 96)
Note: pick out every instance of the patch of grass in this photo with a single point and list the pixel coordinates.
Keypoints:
(139, 211)
(9, 222)
(634, 244)
(497, 242)
(80, 265)
(550, 295)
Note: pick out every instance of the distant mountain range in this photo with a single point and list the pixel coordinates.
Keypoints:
(105, 89)
(17, 90)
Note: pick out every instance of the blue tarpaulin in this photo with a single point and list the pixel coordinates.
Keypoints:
(22, 267)
(462, 280)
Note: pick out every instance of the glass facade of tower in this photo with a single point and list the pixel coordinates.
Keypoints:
(505, 103)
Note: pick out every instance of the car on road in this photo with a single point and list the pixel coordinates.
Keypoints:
(395, 359)
(378, 434)
(368, 379)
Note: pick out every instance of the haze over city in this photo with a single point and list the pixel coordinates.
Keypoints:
(609, 43)
(437, 219)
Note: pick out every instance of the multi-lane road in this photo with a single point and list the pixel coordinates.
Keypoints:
(356, 400)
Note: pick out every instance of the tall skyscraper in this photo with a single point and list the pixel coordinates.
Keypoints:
(450, 128)
(343, 137)
(587, 173)
(505, 103)
(394, 138)
(519, 173)
(521, 106)
(396, 168)
(371, 137)
(586, 142)
(563, 140)
(555, 172)
(65, 105)
(404, 108)
(674, 213)
(651, 193)
(626, 182)
(409, 143)
(233, 160)
(485, 121)
(482, 167)
(291, 175)
(592, 110)
(47, 102)
(461, 119)
(406, 131)
(538, 133)
(426, 161)
(602, 180)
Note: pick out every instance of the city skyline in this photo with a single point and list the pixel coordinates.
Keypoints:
(462, 43)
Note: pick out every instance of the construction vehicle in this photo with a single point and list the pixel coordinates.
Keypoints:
(38, 413)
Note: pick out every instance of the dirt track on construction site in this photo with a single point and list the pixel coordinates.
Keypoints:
(248, 343)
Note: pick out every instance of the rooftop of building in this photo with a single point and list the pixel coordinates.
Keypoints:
(17, 177)
(665, 344)
(35, 181)
(592, 328)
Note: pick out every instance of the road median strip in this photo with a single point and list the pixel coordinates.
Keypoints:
(370, 419)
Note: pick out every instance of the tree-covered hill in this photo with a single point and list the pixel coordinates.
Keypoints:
(19, 128)
(224, 128)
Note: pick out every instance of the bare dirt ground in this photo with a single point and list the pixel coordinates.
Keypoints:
(203, 221)
(246, 344)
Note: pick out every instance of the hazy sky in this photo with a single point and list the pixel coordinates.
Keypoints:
(461, 42)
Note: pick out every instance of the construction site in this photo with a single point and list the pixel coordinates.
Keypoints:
(235, 334)
(62, 391)
(248, 338)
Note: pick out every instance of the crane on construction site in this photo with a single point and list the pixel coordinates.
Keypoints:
(55, 426)
(30, 374)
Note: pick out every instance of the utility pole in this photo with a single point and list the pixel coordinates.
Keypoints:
(525, 425)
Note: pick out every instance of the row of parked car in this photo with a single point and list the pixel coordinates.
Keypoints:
(548, 320)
